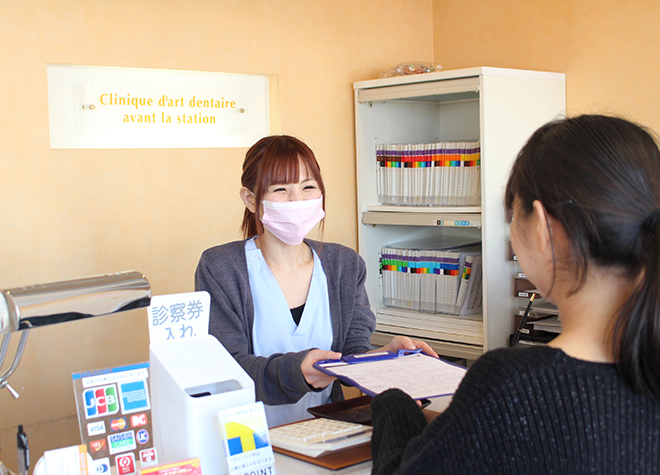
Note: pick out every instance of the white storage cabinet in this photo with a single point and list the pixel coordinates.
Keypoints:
(499, 107)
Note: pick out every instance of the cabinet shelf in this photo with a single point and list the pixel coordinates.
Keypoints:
(411, 218)
(457, 328)
(443, 91)
(426, 209)
(500, 108)
(445, 348)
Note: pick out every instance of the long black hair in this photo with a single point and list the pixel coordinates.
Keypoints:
(599, 176)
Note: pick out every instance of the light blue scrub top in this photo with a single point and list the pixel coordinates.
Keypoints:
(274, 330)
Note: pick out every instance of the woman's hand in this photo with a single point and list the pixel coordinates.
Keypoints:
(405, 343)
(313, 376)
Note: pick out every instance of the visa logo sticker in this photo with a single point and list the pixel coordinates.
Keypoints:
(100, 401)
(97, 445)
(118, 424)
(122, 442)
(95, 428)
(139, 420)
(134, 396)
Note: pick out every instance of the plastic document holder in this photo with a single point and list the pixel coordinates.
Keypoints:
(191, 381)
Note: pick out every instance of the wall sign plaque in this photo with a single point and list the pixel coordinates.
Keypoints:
(94, 107)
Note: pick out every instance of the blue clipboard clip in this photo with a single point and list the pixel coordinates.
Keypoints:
(367, 357)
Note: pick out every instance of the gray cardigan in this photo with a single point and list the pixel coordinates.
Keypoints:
(222, 271)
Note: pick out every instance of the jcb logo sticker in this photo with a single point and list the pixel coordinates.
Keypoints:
(101, 401)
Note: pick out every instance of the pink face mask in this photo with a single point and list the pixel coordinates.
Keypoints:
(290, 221)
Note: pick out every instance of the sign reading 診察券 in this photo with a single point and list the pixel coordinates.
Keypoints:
(104, 107)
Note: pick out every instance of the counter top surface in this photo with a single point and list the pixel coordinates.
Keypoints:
(286, 465)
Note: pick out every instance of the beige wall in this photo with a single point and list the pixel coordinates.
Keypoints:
(607, 48)
(72, 213)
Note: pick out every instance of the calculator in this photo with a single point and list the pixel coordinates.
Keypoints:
(319, 435)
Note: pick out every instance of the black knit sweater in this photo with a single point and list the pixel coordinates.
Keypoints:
(523, 411)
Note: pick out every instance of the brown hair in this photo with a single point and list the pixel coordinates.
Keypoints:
(274, 160)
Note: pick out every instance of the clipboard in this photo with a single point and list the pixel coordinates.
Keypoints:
(419, 375)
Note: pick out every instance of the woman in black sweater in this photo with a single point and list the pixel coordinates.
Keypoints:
(585, 197)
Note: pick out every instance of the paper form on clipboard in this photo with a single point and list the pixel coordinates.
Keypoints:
(419, 375)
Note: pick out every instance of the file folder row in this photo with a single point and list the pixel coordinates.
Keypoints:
(432, 281)
(432, 174)
(457, 328)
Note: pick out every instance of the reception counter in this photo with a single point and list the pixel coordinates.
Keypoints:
(66, 432)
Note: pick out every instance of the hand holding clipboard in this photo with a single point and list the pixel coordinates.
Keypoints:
(419, 375)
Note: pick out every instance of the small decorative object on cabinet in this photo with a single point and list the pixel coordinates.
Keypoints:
(422, 141)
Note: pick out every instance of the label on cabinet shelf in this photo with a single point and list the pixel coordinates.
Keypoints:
(451, 222)
(525, 294)
(512, 255)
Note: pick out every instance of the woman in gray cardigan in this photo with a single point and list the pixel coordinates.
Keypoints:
(280, 302)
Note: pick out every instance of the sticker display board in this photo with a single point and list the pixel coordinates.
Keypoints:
(114, 412)
(94, 107)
